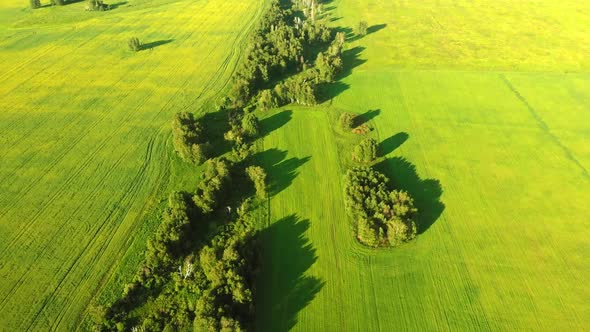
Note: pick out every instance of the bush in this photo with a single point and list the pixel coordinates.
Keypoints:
(250, 125)
(258, 176)
(267, 100)
(188, 138)
(347, 121)
(134, 44)
(362, 28)
(214, 179)
(57, 2)
(97, 5)
(35, 4)
(365, 151)
(382, 217)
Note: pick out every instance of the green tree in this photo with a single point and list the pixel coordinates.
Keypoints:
(35, 4)
(365, 151)
(134, 44)
(362, 28)
(347, 121)
(250, 125)
(258, 176)
(267, 100)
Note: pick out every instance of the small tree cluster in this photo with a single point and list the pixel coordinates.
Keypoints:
(134, 44)
(258, 177)
(188, 138)
(362, 28)
(328, 64)
(213, 186)
(347, 121)
(227, 296)
(99, 5)
(383, 217)
(365, 151)
(35, 4)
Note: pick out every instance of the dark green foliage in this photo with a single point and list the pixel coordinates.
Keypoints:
(362, 28)
(213, 185)
(35, 4)
(365, 151)
(382, 217)
(267, 100)
(188, 138)
(329, 64)
(258, 176)
(228, 265)
(97, 5)
(250, 125)
(57, 2)
(347, 121)
(134, 44)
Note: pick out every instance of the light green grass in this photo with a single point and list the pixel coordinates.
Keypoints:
(480, 89)
(84, 139)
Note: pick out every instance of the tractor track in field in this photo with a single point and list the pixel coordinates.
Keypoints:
(545, 128)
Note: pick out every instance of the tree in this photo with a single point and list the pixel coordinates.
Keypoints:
(134, 44)
(382, 217)
(365, 151)
(362, 28)
(267, 100)
(258, 176)
(250, 125)
(35, 4)
(347, 121)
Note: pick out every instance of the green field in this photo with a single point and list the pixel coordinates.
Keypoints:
(84, 133)
(483, 111)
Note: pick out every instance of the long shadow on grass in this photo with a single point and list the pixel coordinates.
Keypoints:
(391, 143)
(283, 287)
(350, 60)
(426, 193)
(369, 115)
(156, 43)
(275, 122)
(281, 171)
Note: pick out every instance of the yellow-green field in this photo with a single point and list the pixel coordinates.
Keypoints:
(490, 100)
(84, 132)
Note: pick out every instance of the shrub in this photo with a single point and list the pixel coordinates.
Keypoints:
(57, 2)
(362, 28)
(382, 217)
(365, 151)
(188, 138)
(250, 125)
(347, 121)
(258, 176)
(134, 44)
(98, 5)
(35, 4)
(267, 100)
(214, 179)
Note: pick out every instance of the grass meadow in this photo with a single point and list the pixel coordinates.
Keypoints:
(85, 143)
(482, 114)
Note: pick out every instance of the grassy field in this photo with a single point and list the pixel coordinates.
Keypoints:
(482, 111)
(84, 139)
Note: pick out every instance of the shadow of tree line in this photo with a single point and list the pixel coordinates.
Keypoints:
(284, 288)
(403, 175)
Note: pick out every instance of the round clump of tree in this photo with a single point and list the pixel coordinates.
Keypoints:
(134, 44)
(362, 28)
(365, 151)
(347, 121)
(382, 217)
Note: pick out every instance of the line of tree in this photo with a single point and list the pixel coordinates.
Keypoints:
(382, 217)
(188, 138)
(280, 47)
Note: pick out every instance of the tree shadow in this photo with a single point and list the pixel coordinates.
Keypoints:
(369, 115)
(350, 60)
(281, 171)
(372, 29)
(283, 288)
(426, 193)
(117, 5)
(155, 44)
(275, 121)
(375, 28)
(393, 142)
